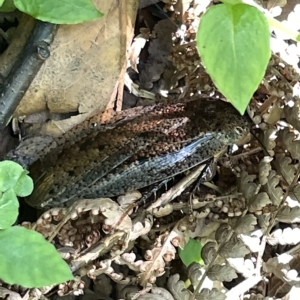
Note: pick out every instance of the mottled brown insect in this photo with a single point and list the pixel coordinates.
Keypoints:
(136, 148)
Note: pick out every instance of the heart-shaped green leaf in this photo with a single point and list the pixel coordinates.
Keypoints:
(234, 44)
(27, 259)
(58, 11)
(12, 175)
(9, 209)
(191, 252)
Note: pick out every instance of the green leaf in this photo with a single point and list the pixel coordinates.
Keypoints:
(58, 11)
(234, 44)
(7, 5)
(9, 209)
(191, 252)
(12, 175)
(27, 259)
(232, 1)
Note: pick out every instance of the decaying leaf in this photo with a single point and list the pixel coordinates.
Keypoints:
(221, 273)
(87, 62)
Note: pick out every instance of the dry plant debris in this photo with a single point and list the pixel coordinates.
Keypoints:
(247, 218)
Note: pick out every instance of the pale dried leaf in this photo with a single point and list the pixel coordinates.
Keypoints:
(289, 215)
(273, 3)
(292, 114)
(234, 248)
(259, 201)
(282, 267)
(138, 44)
(223, 233)
(245, 267)
(243, 224)
(208, 252)
(289, 143)
(9, 295)
(273, 189)
(246, 185)
(294, 193)
(213, 294)
(140, 226)
(252, 241)
(285, 167)
(264, 220)
(264, 169)
(157, 256)
(222, 273)
(268, 140)
(86, 63)
(177, 288)
(273, 114)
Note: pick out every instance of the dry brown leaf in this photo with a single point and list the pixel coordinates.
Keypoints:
(177, 288)
(222, 273)
(213, 294)
(87, 63)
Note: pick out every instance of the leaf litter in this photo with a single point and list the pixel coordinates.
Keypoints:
(248, 225)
